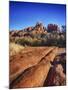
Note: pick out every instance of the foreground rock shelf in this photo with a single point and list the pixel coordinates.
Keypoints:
(33, 68)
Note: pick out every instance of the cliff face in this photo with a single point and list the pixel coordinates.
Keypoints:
(39, 29)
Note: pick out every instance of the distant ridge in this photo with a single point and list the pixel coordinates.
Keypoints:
(37, 29)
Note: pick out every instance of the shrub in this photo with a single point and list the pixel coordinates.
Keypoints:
(23, 41)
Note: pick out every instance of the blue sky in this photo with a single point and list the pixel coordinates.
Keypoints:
(24, 14)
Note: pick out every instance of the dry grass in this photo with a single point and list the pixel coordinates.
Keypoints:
(15, 48)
